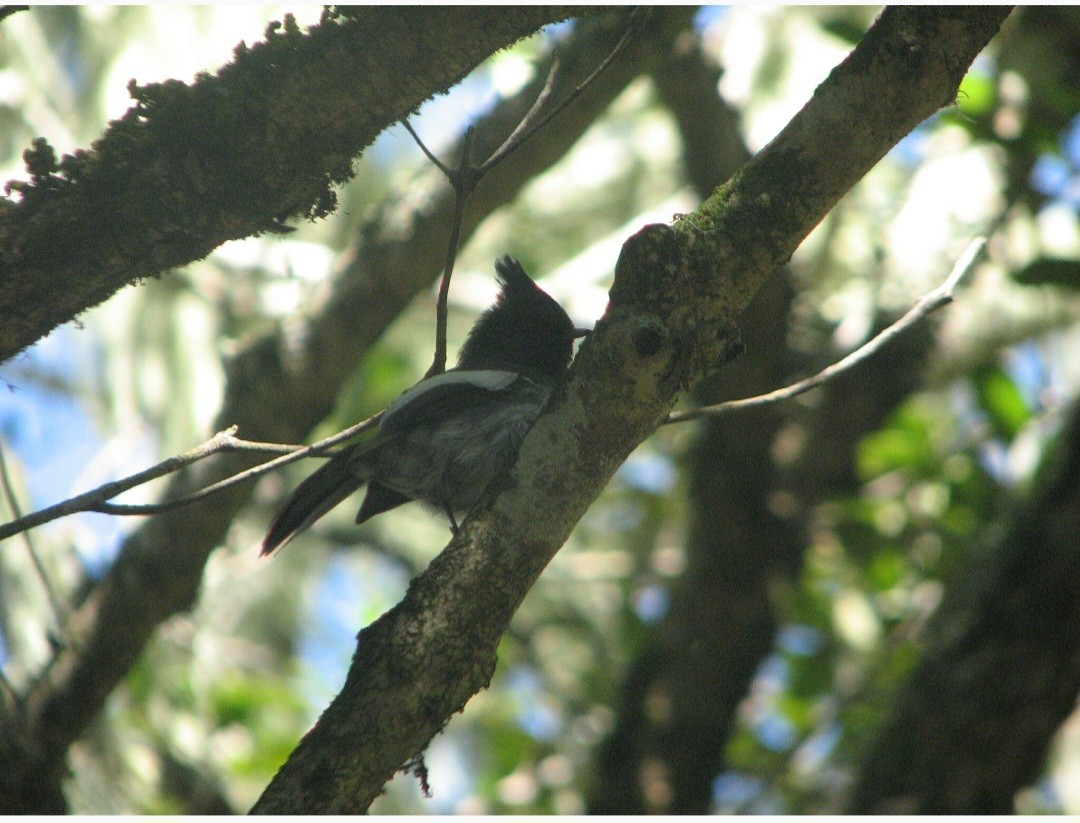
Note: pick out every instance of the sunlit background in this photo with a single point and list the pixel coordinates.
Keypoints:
(225, 692)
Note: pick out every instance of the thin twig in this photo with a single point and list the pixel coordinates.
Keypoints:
(467, 176)
(523, 135)
(97, 499)
(84, 502)
(59, 613)
(430, 155)
(926, 305)
(463, 181)
(511, 142)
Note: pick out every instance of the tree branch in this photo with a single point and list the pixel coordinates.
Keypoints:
(532, 123)
(225, 441)
(59, 612)
(278, 391)
(924, 307)
(187, 168)
(7, 11)
(668, 323)
(96, 499)
(973, 721)
(468, 176)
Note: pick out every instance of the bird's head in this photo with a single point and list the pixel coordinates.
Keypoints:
(525, 331)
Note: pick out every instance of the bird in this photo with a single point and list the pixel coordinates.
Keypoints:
(449, 437)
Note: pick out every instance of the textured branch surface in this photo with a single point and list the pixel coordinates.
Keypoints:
(669, 323)
(973, 722)
(279, 390)
(262, 141)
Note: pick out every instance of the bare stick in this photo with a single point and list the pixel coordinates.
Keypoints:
(523, 132)
(926, 305)
(511, 142)
(463, 181)
(467, 176)
(427, 152)
(86, 501)
(59, 613)
(96, 500)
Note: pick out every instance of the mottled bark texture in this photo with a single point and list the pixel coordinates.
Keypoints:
(263, 141)
(669, 324)
(679, 700)
(279, 390)
(972, 724)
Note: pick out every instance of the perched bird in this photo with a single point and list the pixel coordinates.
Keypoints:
(445, 440)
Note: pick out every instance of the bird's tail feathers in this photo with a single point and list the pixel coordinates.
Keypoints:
(313, 498)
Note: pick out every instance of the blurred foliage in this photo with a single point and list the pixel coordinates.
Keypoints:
(223, 694)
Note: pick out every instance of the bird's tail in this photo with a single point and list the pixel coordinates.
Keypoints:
(340, 477)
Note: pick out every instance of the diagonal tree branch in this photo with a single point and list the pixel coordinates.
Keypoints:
(665, 763)
(96, 500)
(972, 723)
(279, 391)
(668, 324)
(924, 307)
(189, 167)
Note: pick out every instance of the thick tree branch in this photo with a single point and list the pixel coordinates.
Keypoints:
(973, 722)
(280, 387)
(676, 291)
(262, 141)
(690, 661)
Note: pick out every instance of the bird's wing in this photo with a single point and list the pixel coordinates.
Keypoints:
(430, 401)
(444, 396)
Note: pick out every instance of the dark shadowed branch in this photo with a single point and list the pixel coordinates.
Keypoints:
(279, 392)
(972, 723)
(118, 193)
(676, 293)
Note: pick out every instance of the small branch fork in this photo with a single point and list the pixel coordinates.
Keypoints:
(226, 441)
(464, 181)
(97, 499)
(467, 176)
(925, 306)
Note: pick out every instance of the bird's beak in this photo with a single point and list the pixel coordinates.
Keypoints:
(581, 332)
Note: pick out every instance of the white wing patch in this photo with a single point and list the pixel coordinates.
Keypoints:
(491, 380)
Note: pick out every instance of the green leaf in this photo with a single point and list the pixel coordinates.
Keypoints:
(977, 95)
(1001, 399)
(887, 569)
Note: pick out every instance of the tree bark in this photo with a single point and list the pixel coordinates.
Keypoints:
(263, 141)
(680, 695)
(279, 392)
(669, 323)
(739, 546)
(972, 724)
